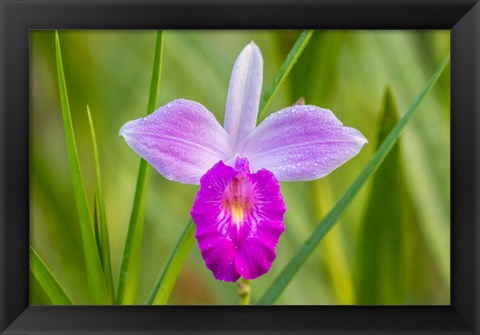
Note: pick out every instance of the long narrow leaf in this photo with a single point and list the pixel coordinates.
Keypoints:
(316, 72)
(95, 275)
(314, 78)
(167, 279)
(381, 227)
(96, 228)
(101, 217)
(427, 144)
(127, 283)
(284, 70)
(47, 280)
(333, 247)
(287, 274)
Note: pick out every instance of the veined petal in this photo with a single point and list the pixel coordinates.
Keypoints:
(239, 219)
(254, 258)
(181, 140)
(244, 93)
(256, 252)
(219, 256)
(301, 143)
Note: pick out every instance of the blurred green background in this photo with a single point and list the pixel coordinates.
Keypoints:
(392, 246)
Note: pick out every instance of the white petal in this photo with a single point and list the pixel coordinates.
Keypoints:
(244, 94)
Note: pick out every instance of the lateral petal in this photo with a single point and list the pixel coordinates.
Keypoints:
(244, 93)
(181, 140)
(301, 143)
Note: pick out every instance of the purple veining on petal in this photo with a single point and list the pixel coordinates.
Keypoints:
(239, 220)
(254, 258)
(301, 143)
(181, 140)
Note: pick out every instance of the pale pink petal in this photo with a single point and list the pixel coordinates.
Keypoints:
(244, 93)
(181, 140)
(301, 143)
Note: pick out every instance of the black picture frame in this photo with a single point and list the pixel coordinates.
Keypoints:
(17, 17)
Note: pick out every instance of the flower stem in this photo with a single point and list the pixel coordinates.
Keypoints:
(244, 291)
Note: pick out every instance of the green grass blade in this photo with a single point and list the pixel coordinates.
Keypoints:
(100, 216)
(168, 277)
(315, 79)
(47, 280)
(96, 228)
(381, 227)
(284, 278)
(333, 251)
(316, 72)
(156, 72)
(127, 282)
(284, 70)
(95, 275)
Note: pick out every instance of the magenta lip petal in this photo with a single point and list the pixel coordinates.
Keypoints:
(181, 140)
(301, 143)
(238, 232)
(219, 256)
(254, 258)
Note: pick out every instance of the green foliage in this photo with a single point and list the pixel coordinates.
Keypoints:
(169, 275)
(327, 223)
(95, 275)
(316, 73)
(345, 71)
(284, 70)
(314, 79)
(47, 280)
(128, 280)
(381, 252)
(99, 214)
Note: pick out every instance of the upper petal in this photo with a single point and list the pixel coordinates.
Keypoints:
(181, 140)
(301, 143)
(244, 93)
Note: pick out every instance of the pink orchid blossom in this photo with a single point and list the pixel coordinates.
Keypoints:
(238, 211)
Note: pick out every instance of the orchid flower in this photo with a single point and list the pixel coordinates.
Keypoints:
(238, 211)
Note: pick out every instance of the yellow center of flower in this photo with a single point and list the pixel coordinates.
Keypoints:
(237, 213)
(238, 198)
